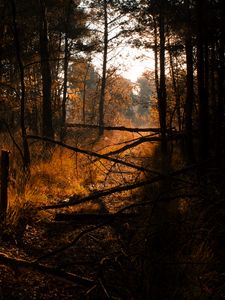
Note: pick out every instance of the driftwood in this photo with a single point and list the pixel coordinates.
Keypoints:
(21, 264)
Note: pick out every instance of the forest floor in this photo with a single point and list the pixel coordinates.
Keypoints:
(101, 256)
(162, 241)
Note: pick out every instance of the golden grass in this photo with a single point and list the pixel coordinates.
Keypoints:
(61, 173)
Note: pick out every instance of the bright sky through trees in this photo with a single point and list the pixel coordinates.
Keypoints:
(135, 61)
(129, 62)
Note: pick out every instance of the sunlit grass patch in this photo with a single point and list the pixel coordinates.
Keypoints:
(50, 181)
(57, 173)
(58, 177)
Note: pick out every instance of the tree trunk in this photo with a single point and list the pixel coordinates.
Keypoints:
(156, 57)
(4, 184)
(104, 67)
(65, 69)
(190, 88)
(175, 88)
(162, 100)
(2, 33)
(26, 151)
(84, 94)
(65, 79)
(220, 147)
(201, 78)
(47, 127)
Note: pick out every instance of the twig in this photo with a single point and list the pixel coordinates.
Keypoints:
(104, 288)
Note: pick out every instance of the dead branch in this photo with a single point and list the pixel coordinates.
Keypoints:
(18, 263)
(134, 144)
(91, 153)
(117, 128)
(128, 141)
(118, 189)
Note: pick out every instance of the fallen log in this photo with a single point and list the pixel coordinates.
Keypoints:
(18, 263)
(92, 218)
(115, 128)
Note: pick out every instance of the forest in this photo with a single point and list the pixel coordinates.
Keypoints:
(112, 188)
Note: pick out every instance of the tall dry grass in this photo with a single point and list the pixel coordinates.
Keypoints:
(57, 173)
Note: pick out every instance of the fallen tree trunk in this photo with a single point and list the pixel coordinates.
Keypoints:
(90, 218)
(18, 263)
(117, 128)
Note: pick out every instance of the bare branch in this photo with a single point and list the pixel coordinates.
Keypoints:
(134, 144)
(91, 153)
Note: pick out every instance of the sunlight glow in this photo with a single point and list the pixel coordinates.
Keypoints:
(137, 68)
(133, 62)
(130, 62)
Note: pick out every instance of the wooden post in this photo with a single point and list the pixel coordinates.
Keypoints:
(4, 183)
